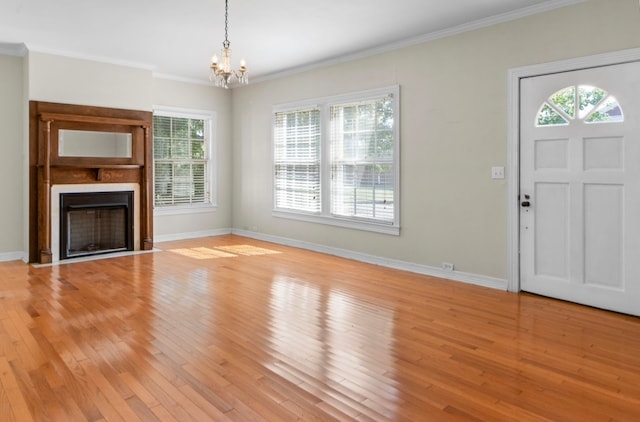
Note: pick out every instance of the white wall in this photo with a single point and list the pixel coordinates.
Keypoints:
(12, 213)
(75, 81)
(453, 130)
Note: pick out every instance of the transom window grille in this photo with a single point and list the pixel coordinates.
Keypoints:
(181, 160)
(336, 161)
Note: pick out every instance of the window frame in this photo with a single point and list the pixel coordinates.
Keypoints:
(325, 216)
(209, 118)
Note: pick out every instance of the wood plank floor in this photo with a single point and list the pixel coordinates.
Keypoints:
(230, 328)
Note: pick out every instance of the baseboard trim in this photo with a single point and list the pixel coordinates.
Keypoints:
(13, 256)
(190, 235)
(469, 278)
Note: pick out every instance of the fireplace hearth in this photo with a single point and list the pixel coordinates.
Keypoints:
(96, 223)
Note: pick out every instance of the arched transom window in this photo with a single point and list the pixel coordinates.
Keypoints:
(580, 102)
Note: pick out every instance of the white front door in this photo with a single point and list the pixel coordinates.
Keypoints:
(580, 186)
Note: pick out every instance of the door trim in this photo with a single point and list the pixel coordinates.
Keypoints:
(513, 140)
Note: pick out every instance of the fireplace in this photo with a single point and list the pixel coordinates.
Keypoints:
(83, 149)
(95, 223)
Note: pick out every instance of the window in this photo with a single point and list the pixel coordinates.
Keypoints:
(336, 161)
(182, 165)
(297, 160)
(594, 105)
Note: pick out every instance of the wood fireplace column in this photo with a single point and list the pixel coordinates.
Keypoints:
(146, 194)
(44, 195)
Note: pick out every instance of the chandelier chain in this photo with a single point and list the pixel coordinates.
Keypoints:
(226, 42)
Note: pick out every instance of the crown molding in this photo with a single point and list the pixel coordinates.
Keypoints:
(176, 78)
(432, 36)
(98, 59)
(106, 60)
(13, 49)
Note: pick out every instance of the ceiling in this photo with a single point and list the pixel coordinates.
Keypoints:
(178, 38)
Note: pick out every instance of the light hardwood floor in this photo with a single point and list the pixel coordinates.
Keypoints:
(229, 328)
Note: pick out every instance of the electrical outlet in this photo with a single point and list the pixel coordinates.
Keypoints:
(447, 266)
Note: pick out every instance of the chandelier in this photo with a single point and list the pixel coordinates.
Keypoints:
(221, 72)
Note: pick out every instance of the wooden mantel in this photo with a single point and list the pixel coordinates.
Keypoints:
(47, 167)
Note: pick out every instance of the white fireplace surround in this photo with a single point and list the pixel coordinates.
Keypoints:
(56, 190)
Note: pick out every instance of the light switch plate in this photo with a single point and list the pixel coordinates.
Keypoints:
(497, 172)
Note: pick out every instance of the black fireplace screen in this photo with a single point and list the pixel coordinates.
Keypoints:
(95, 223)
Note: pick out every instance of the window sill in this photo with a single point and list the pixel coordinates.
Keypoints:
(340, 222)
(184, 209)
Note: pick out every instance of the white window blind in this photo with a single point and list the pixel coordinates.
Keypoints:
(297, 160)
(362, 159)
(336, 161)
(180, 150)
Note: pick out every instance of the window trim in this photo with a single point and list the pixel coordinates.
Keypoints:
(325, 216)
(209, 116)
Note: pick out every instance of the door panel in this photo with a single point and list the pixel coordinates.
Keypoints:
(603, 154)
(551, 154)
(552, 230)
(603, 235)
(580, 186)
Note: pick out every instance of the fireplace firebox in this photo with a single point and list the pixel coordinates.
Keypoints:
(95, 223)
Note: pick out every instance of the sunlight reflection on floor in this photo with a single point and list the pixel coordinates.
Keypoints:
(229, 251)
(322, 331)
